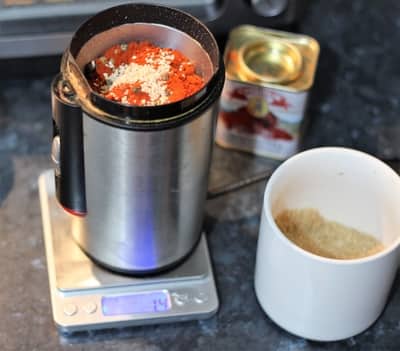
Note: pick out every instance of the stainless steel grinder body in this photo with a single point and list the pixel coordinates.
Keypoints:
(135, 177)
(145, 192)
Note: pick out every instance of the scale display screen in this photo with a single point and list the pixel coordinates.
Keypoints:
(149, 302)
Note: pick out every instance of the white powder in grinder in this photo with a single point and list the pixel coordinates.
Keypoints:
(312, 232)
(152, 78)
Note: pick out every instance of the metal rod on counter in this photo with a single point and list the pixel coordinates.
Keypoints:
(224, 189)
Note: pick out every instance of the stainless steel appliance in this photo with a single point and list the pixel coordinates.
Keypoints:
(135, 178)
(131, 182)
(44, 27)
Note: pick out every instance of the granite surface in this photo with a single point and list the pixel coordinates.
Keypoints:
(355, 103)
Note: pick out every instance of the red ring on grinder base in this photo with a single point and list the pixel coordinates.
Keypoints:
(74, 212)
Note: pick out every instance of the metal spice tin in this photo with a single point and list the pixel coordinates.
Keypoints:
(268, 77)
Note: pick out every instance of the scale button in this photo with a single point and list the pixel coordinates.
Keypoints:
(201, 298)
(90, 307)
(70, 309)
(180, 299)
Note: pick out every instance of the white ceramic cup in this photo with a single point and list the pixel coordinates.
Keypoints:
(321, 298)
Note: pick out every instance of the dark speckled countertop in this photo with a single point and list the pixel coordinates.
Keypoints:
(355, 103)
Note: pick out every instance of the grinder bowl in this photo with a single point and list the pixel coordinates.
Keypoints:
(164, 27)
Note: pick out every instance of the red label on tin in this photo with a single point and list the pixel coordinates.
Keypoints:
(261, 120)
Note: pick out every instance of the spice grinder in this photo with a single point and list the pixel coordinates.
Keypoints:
(133, 178)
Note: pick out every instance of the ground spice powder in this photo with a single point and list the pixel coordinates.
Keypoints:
(312, 232)
(143, 74)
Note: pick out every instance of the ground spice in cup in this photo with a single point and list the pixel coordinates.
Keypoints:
(308, 229)
(142, 74)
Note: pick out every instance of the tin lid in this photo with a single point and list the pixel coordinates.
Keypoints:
(270, 58)
(270, 61)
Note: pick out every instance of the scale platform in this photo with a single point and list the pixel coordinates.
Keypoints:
(85, 296)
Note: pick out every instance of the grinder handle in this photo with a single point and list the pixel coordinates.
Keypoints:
(67, 148)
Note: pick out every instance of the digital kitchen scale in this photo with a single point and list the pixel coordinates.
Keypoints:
(86, 296)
